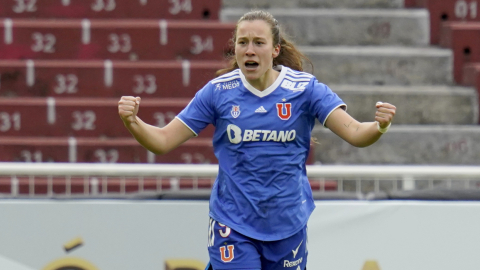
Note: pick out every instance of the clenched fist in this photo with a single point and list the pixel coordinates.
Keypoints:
(128, 108)
(384, 114)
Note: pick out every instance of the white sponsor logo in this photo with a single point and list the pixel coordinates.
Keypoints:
(230, 85)
(294, 86)
(236, 136)
(287, 263)
(261, 109)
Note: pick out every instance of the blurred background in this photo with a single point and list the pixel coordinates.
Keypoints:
(78, 192)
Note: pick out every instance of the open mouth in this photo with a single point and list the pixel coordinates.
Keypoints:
(251, 64)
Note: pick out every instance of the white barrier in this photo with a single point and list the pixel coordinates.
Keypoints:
(314, 171)
(95, 177)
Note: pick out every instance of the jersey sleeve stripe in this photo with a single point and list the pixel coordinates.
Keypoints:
(196, 135)
(233, 73)
(297, 79)
(340, 105)
(299, 73)
(225, 79)
(307, 76)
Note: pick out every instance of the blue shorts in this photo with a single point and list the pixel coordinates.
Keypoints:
(229, 249)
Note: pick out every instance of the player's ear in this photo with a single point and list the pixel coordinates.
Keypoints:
(276, 51)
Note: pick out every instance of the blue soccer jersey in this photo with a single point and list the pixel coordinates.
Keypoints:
(261, 141)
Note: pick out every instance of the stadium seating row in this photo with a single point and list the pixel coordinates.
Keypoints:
(110, 185)
(95, 78)
(114, 39)
(86, 117)
(103, 150)
(168, 9)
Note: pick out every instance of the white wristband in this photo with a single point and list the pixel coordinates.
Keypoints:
(383, 130)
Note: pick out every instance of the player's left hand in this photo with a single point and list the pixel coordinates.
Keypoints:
(385, 113)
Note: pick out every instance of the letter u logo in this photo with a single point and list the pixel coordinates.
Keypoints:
(284, 110)
(224, 255)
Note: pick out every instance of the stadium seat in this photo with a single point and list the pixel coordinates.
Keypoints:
(446, 10)
(70, 78)
(114, 39)
(168, 9)
(100, 150)
(464, 40)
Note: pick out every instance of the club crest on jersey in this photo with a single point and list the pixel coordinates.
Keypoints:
(235, 111)
(284, 110)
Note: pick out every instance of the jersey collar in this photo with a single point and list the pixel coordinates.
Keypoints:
(271, 88)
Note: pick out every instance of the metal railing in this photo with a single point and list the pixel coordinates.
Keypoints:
(124, 180)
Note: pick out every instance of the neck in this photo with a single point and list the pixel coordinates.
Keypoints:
(265, 81)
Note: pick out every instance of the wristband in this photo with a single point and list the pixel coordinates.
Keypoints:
(383, 130)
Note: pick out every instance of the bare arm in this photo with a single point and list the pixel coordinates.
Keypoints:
(155, 139)
(360, 134)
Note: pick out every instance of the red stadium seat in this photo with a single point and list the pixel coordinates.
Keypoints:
(87, 117)
(69, 78)
(464, 40)
(114, 39)
(168, 9)
(446, 10)
(118, 150)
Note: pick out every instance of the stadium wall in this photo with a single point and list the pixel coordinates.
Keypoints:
(164, 235)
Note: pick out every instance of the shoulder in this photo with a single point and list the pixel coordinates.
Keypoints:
(298, 75)
(232, 75)
(227, 81)
(296, 80)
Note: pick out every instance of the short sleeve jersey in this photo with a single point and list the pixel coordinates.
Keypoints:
(261, 141)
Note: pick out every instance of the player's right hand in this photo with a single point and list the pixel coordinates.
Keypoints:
(128, 108)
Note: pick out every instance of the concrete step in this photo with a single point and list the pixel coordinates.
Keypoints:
(381, 65)
(314, 3)
(310, 26)
(432, 105)
(411, 144)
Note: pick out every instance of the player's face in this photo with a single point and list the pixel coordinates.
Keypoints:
(254, 51)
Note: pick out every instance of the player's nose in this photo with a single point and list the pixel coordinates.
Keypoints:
(250, 49)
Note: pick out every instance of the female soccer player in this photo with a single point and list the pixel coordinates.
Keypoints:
(263, 108)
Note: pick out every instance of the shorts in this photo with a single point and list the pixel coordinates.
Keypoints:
(229, 249)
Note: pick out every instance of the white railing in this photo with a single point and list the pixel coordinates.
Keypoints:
(96, 179)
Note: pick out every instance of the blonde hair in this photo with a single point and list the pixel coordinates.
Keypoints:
(289, 55)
